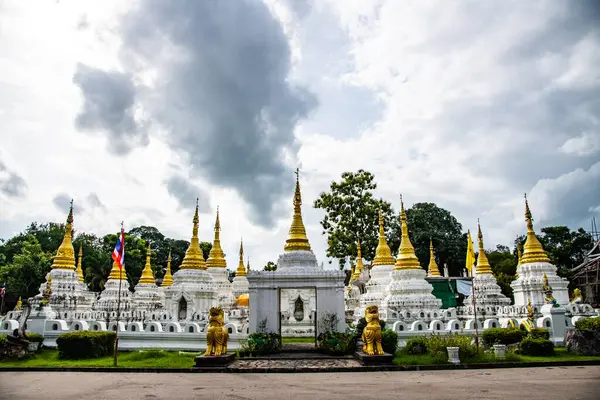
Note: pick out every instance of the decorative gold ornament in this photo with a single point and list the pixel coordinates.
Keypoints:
(577, 297)
(483, 265)
(371, 335)
(407, 259)
(243, 300)
(194, 259)
(241, 270)
(432, 269)
(117, 273)
(147, 276)
(383, 254)
(65, 255)
(530, 315)
(297, 239)
(358, 268)
(216, 257)
(168, 278)
(532, 251)
(79, 269)
(248, 266)
(216, 334)
(547, 290)
(47, 293)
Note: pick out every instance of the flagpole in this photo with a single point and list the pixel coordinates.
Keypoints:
(116, 352)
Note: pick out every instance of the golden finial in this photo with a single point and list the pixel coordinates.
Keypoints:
(297, 239)
(483, 265)
(359, 262)
(383, 254)
(115, 272)
(248, 266)
(432, 269)
(407, 259)
(65, 255)
(147, 276)
(216, 257)
(532, 251)
(194, 259)
(168, 278)
(79, 269)
(241, 270)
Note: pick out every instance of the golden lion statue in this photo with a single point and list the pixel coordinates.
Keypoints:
(371, 335)
(216, 334)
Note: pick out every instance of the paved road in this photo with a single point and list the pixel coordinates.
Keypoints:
(561, 383)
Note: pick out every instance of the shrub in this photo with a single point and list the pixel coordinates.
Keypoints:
(539, 333)
(416, 346)
(536, 347)
(85, 344)
(35, 337)
(2, 341)
(437, 344)
(337, 342)
(505, 336)
(261, 343)
(588, 324)
(389, 341)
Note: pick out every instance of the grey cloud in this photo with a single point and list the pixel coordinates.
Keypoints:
(109, 106)
(62, 201)
(185, 192)
(11, 183)
(221, 92)
(94, 201)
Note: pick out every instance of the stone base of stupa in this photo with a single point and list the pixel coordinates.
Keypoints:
(382, 359)
(214, 361)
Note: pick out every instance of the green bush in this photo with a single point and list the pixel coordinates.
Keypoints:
(539, 333)
(505, 336)
(436, 345)
(389, 341)
(588, 324)
(536, 347)
(85, 344)
(337, 342)
(261, 343)
(416, 346)
(2, 341)
(35, 337)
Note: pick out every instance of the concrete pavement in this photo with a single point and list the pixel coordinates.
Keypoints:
(547, 383)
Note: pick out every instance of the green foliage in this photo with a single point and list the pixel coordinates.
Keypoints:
(389, 341)
(337, 343)
(147, 354)
(351, 212)
(536, 347)
(261, 343)
(539, 333)
(416, 346)
(27, 267)
(35, 337)
(271, 266)
(436, 345)
(588, 324)
(85, 344)
(2, 341)
(505, 336)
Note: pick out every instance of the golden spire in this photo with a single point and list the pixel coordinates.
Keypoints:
(168, 278)
(115, 272)
(407, 259)
(194, 259)
(216, 258)
(147, 276)
(359, 262)
(241, 270)
(79, 270)
(383, 254)
(532, 251)
(248, 266)
(483, 265)
(297, 239)
(433, 269)
(65, 256)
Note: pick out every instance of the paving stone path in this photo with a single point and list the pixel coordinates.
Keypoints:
(316, 364)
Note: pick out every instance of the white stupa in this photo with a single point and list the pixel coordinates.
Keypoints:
(217, 267)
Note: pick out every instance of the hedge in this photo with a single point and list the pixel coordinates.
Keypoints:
(536, 347)
(539, 333)
(588, 324)
(35, 337)
(85, 344)
(505, 336)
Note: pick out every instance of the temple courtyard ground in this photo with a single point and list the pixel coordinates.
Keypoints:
(545, 383)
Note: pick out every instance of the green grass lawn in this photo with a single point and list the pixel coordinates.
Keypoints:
(560, 355)
(287, 340)
(131, 359)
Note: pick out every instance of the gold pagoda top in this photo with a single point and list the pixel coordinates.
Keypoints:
(168, 278)
(241, 269)
(216, 257)
(407, 259)
(79, 269)
(194, 259)
(483, 265)
(383, 254)
(297, 239)
(532, 251)
(359, 262)
(65, 255)
(117, 273)
(248, 266)
(147, 276)
(433, 269)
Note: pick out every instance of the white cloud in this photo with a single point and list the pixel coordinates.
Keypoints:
(584, 145)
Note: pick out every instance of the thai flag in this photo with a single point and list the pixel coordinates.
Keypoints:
(3, 290)
(119, 252)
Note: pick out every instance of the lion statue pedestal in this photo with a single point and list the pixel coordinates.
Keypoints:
(216, 342)
(372, 351)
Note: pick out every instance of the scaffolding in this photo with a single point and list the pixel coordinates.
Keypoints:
(586, 276)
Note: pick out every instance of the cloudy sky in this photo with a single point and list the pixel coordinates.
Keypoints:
(134, 109)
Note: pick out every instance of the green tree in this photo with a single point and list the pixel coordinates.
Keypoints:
(135, 255)
(49, 235)
(96, 262)
(351, 213)
(27, 270)
(427, 220)
(271, 266)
